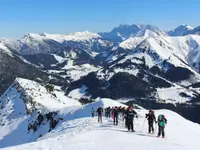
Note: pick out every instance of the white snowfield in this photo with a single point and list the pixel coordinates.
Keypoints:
(75, 72)
(80, 132)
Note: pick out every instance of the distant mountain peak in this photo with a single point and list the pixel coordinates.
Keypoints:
(180, 30)
(123, 31)
(85, 34)
(43, 34)
(187, 26)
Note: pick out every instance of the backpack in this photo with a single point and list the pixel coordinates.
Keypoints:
(100, 110)
(162, 121)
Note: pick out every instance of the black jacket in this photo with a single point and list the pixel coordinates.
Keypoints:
(151, 117)
(100, 111)
(115, 112)
(129, 115)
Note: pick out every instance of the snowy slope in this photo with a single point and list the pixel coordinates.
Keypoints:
(15, 120)
(75, 72)
(173, 94)
(4, 49)
(195, 31)
(76, 112)
(85, 133)
(9, 44)
(35, 96)
(20, 106)
(72, 71)
(179, 51)
(66, 100)
(34, 91)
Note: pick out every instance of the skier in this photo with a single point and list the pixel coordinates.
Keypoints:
(151, 119)
(112, 112)
(100, 111)
(115, 115)
(106, 112)
(162, 121)
(123, 113)
(92, 112)
(129, 116)
(109, 111)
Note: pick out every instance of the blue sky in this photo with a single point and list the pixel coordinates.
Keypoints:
(18, 17)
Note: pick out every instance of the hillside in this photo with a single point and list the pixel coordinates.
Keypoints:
(12, 66)
(21, 105)
(83, 132)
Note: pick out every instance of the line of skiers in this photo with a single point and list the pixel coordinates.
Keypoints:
(128, 114)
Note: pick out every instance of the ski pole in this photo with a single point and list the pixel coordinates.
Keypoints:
(137, 124)
(143, 124)
(155, 128)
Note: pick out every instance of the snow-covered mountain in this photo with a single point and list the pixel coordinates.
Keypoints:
(80, 53)
(13, 65)
(34, 97)
(183, 48)
(180, 30)
(80, 47)
(29, 109)
(54, 43)
(145, 67)
(183, 30)
(79, 131)
(194, 31)
(124, 32)
(64, 54)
